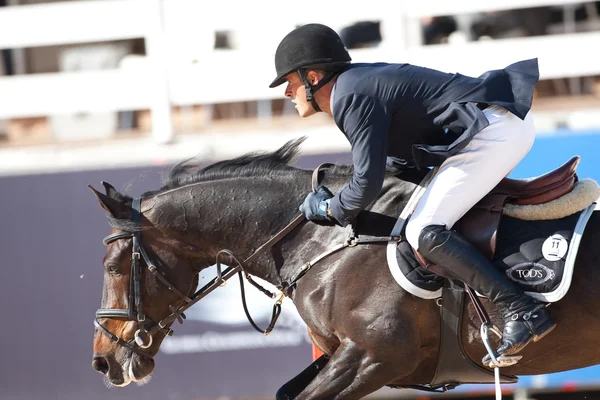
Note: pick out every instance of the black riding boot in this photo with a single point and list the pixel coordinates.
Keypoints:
(525, 319)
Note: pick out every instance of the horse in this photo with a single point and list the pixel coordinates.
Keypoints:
(373, 332)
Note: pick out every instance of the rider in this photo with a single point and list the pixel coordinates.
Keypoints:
(475, 129)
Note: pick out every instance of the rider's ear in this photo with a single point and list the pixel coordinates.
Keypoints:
(114, 207)
(313, 77)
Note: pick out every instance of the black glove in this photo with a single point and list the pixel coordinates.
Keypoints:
(316, 204)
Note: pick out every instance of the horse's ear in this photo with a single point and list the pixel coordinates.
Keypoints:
(110, 190)
(113, 206)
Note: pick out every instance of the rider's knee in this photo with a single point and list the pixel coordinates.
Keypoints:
(424, 238)
(415, 229)
(430, 237)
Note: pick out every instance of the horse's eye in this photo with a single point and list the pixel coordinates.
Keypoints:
(113, 268)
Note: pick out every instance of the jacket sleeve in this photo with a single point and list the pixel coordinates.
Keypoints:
(365, 123)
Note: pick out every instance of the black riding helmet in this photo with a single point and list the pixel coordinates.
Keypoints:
(310, 46)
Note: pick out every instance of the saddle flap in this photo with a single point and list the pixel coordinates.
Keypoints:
(453, 365)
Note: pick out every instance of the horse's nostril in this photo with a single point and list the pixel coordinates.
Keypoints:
(100, 364)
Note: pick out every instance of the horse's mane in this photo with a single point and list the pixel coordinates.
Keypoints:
(264, 164)
(190, 171)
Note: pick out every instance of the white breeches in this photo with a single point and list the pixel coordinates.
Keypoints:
(466, 177)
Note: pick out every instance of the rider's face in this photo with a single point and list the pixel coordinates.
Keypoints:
(296, 91)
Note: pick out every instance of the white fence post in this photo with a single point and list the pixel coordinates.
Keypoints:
(162, 121)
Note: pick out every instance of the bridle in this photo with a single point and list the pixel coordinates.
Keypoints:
(135, 312)
(135, 309)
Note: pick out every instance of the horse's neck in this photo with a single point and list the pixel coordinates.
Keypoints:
(269, 205)
(241, 214)
(237, 214)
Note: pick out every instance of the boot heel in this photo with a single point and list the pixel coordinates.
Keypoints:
(544, 330)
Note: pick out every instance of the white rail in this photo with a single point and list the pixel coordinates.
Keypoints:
(74, 22)
(178, 32)
(443, 7)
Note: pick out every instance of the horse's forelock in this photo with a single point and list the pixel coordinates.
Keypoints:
(124, 224)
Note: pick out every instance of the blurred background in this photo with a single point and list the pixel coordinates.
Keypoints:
(118, 90)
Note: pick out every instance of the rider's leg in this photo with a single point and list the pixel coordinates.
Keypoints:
(525, 319)
(460, 183)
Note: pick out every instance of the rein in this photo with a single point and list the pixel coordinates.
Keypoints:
(222, 277)
(285, 287)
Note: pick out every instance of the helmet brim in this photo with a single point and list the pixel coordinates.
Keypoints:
(327, 66)
(278, 81)
(281, 77)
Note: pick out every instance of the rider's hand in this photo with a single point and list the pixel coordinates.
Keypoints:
(316, 204)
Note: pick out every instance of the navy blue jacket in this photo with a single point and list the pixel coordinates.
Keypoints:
(416, 115)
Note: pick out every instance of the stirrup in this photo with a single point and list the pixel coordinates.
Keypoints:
(501, 361)
(492, 360)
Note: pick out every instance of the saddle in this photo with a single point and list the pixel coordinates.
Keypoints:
(480, 224)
